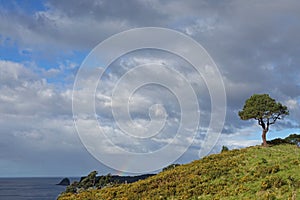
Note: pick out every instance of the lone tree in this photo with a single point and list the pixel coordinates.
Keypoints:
(265, 110)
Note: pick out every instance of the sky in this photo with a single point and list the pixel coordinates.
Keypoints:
(46, 45)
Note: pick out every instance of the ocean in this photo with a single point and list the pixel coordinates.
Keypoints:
(30, 188)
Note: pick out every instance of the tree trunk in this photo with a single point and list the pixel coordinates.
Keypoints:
(264, 137)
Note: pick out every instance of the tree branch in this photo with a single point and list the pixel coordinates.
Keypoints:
(261, 123)
(275, 118)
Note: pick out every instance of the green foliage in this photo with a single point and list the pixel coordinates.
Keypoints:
(291, 139)
(265, 110)
(224, 148)
(89, 181)
(272, 182)
(72, 188)
(262, 106)
(250, 173)
(104, 181)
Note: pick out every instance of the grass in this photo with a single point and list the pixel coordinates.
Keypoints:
(249, 173)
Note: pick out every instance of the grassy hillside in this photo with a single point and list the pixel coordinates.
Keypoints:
(250, 173)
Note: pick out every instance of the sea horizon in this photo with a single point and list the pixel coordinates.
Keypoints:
(31, 188)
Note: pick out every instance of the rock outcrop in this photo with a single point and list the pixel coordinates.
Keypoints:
(64, 181)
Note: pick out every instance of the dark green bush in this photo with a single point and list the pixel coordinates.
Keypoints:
(224, 148)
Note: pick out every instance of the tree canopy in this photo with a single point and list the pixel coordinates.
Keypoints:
(265, 110)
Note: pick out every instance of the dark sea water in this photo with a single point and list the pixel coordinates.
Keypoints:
(30, 188)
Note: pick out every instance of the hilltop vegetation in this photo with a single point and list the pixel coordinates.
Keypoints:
(249, 173)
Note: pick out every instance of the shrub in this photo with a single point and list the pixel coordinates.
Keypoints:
(272, 182)
(224, 148)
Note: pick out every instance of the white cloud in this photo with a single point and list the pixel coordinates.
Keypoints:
(35, 117)
(249, 136)
(292, 104)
